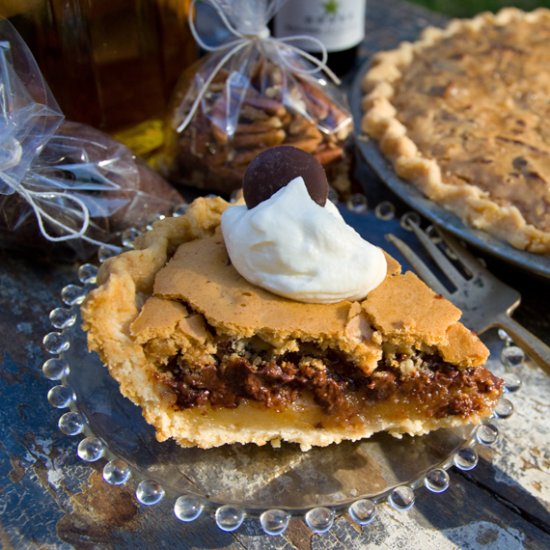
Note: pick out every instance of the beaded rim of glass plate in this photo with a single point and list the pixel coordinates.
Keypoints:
(187, 507)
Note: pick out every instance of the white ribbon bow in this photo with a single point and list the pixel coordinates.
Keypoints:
(11, 154)
(243, 40)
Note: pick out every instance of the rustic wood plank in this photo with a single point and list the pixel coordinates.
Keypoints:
(48, 498)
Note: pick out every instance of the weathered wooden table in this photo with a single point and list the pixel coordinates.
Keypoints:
(51, 499)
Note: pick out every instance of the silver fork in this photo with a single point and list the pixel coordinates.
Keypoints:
(485, 301)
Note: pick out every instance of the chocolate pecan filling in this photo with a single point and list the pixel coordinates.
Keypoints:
(337, 385)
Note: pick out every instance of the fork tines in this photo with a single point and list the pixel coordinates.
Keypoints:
(471, 265)
(419, 266)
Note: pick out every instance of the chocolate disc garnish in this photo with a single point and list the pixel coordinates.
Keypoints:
(273, 168)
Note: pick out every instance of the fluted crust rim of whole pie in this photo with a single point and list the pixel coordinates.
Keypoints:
(176, 294)
(381, 122)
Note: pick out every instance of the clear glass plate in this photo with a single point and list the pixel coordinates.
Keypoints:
(245, 479)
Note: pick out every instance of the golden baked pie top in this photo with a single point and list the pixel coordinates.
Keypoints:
(463, 113)
(212, 359)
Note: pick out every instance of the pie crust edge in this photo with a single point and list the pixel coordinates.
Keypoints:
(379, 121)
(126, 281)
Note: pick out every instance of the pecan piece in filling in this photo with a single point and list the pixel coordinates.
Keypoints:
(337, 386)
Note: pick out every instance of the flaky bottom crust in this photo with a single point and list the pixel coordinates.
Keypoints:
(109, 316)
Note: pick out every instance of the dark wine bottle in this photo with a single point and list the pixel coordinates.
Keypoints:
(338, 24)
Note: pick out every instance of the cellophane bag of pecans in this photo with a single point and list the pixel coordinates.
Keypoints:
(65, 187)
(246, 95)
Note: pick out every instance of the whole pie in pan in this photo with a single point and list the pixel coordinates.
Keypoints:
(214, 359)
(463, 114)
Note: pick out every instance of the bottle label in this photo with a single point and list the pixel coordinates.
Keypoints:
(338, 24)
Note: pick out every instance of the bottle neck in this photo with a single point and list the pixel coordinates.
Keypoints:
(340, 26)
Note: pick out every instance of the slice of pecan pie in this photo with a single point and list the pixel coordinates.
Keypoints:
(463, 114)
(212, 359)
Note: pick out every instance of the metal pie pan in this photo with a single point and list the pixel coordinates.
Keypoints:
(537, 264)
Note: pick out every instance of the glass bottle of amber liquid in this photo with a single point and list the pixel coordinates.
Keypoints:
(110, 63)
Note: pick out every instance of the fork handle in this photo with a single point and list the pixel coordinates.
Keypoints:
(533, 346)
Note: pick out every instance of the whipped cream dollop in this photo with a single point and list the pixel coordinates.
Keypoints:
(293, 247)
